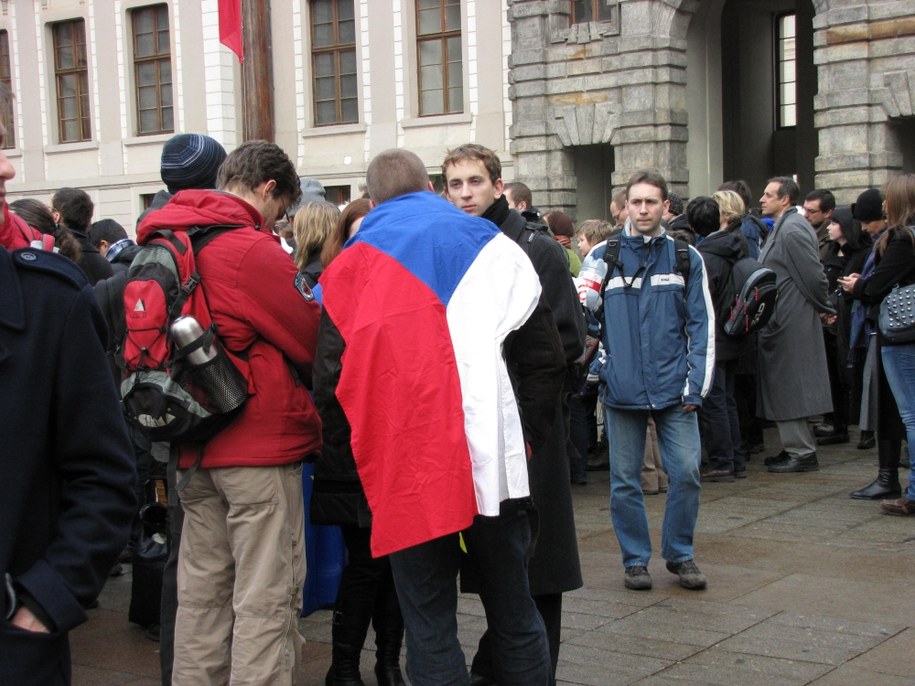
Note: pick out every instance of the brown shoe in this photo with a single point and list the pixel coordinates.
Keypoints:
(902, 507)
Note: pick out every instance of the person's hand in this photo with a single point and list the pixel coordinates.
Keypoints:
(26, 620)
(848, 282)
(690, 407)
(828, 319)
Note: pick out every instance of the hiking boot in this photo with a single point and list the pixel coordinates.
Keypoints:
(637, 578)
(796, 463)
(690, 576)
(776, 459)
(902, 507)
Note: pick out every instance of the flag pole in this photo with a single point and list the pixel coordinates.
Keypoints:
(257, 71)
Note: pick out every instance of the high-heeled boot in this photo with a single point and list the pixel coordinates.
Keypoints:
(348, 634)
(388, 624)
(886, 485)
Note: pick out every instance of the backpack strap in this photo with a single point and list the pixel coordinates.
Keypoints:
(682, 256)
(612, 258)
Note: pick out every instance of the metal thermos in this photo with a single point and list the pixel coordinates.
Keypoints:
(187, 330)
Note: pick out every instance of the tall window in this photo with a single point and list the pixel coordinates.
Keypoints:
(72, 77)
(438, 46)
(6, 78)
(590, 10)
(786, 96)
(333, 55)
(152, 64)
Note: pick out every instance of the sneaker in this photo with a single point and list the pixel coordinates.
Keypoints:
(690, 576)
(637, 578)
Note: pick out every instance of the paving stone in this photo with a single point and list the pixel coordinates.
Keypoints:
(812, 640)
(726, 668)
(850, 676)
(602, 666)
(837, 598)
(892, 657)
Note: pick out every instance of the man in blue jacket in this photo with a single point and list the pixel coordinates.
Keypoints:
(658, 333)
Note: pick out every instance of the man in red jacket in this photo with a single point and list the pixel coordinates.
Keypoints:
(241, 563)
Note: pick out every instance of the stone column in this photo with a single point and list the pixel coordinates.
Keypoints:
(866, 84)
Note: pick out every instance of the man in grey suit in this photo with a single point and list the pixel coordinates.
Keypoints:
(793, 376)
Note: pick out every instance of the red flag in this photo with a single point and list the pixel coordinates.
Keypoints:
(230, 27)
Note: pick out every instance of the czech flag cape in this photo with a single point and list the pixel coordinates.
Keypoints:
(423, 297)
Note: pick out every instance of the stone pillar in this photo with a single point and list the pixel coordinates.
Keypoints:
(866, 83)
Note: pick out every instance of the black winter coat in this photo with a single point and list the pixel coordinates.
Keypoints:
(66, 467)
(555, 565)
(719, 251)
(91, 261)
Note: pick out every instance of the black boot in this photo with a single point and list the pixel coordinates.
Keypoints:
(886, 485)
(348, 636)
(388, 624)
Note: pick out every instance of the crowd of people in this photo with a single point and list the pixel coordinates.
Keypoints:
(442, 359)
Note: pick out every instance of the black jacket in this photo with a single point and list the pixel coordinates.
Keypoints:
(91, 261)
(719, 251)
(555, 565)
(67, 496)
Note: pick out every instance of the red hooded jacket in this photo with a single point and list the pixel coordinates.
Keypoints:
(263, 317)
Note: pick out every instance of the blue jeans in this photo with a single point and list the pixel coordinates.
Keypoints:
(425, 576)
(899, 366)
(679, 444)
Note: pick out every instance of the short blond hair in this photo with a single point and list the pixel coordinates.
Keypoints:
(730, 204)
(595, 230)
(311, 226)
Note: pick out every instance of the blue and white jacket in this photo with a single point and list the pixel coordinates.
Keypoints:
(660, 345)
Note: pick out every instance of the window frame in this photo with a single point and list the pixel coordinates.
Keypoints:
(83, 117)
(158, 59)
(596, 7)
(6, 77)
(779, 51)
(336, 49)
(442, 37)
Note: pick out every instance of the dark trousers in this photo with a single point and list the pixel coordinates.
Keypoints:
(582, 435)
(168, 607)
(550, 608)
(718, 417)
(366, 594)
(425, 576)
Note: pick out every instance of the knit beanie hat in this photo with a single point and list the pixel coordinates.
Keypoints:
(191, 160)
(868, 207)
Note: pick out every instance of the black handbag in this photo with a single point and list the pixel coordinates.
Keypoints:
(896, 320)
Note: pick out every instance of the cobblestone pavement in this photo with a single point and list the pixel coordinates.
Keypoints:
(806, 586)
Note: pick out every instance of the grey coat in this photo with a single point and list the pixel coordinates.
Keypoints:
(793, 374)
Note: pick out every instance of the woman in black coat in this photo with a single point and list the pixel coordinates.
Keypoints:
(846, 252)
